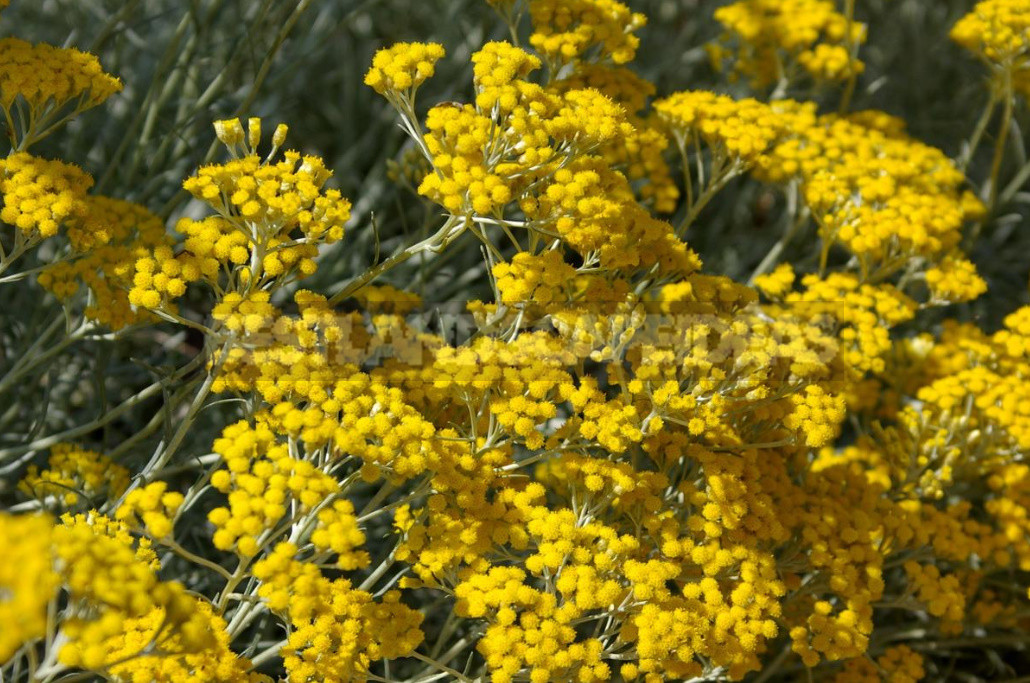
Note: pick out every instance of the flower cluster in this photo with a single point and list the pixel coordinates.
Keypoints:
(41, 195)
(179, 659)
(886, 198)
(954, 280)
(772, 40)
(45, 75)
(521, 145)
(270, 219)
(262, 482)
(74, 474)
(741, 130)
(615, 465)
(403, 67)
(153, 507)
(900, 664)
(565, 31)
(338, 631)
(113, 235)
(997, 31)
(113, 589)
(26, 586)
(274, 200)
(48, 79)
(638, 151)
(539, 279)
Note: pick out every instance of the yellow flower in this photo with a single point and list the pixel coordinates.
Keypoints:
(271, 219)
(28, 581)
(40, 195)
(777, 283)
(74, 472)
(742, 130)
(403, 67)
(768, 39)
(997, 31)
(153, 507)
(337, 631)
(566, 30)
(955, 280)
(48, 79)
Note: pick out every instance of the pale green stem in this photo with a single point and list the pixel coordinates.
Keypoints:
(32, 358)
(162, 459)
(446, 669)
(999, 156)
(718, 183)
(852, 49)
(270, 652)
(978, 132)
(75, 432)
(447, 234)
(1000, 144)
(172, 545)
(795, 221)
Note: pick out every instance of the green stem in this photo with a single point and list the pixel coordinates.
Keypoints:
(270, 652)
(252, 94)
(796, 220)
(996, 163)
(446, 669)
(75, 432)
(31, 358)
(447, 234)
(161, 459)
(978, 132)
(1000, 144)
(852, 49)
(172, 545)
(1014, 185)
(21, 245)
(717, 184)
(160, 79)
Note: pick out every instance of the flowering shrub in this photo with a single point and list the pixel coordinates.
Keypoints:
(611, 461)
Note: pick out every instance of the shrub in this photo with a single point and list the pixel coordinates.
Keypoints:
(261, 427)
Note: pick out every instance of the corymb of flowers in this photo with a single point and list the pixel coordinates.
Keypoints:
(555, 340)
